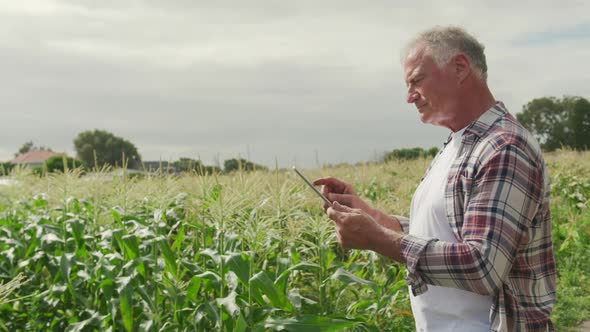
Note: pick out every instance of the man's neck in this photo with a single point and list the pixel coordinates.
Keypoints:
(473, 104)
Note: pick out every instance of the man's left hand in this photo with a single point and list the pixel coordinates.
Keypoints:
(354, 228)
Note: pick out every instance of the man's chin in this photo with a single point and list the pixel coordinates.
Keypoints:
(424, 118)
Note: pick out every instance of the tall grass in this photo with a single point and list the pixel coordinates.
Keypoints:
(571, 236)
(243, 252)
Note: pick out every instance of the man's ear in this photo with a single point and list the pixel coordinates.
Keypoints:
(462, 67)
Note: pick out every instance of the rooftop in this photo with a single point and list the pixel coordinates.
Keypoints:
(34, 156)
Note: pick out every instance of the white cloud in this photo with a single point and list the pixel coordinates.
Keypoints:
(284, 78)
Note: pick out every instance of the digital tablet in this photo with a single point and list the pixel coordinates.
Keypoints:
(312, 186)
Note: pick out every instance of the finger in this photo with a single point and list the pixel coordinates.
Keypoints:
(333, 213)
(338, 214)
(323, 181)
(325, 190)
(343, 199)
(331, 183)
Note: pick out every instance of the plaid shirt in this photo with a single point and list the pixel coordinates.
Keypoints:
(497, 203)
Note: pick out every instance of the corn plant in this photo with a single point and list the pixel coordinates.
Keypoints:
(248, 252)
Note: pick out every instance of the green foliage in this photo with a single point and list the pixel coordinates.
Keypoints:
(410, 154)
(373, 190)
(59, 163)
(232, 254)
(188, 165)
(6, 168)
(232, 165)
(7, 288)
(106, 149)
(571, 237)
(248, 252)
(28, 146)
(558, 122)
(580, 124)
(210, 170)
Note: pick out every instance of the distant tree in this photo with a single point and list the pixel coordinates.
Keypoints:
(196, 166)
(232, 165)
(337, 165)
(410, 154)
(557, 122)
(30, 146)
(188, 165)
(212, 170)
(580, 124)
(432, 152)
(109, 149)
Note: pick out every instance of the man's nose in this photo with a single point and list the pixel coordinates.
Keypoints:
(412, 97)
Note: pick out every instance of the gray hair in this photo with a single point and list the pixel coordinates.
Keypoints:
(446, 42)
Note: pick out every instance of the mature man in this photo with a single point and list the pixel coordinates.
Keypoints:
(479, 232)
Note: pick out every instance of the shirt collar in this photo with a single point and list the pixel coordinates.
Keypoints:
(480, 126)
(485, 121)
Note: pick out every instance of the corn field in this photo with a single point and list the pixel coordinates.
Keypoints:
(242, 252)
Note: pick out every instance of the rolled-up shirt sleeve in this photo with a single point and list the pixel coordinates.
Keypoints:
(404, 223)
(502, 202)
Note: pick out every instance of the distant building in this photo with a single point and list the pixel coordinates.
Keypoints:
(34, 158)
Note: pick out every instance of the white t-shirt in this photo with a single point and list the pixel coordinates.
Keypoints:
(443, 308)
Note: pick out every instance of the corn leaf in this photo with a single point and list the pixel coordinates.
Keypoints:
(350, 278)
(261, 284)
(310, 323)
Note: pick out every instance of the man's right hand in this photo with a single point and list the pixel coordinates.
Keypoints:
(343, 193)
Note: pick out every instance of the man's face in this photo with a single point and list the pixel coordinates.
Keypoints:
(431, 89)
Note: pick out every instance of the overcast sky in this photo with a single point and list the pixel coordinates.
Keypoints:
(291, 80)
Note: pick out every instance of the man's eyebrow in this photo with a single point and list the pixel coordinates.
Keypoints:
(415, 72)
